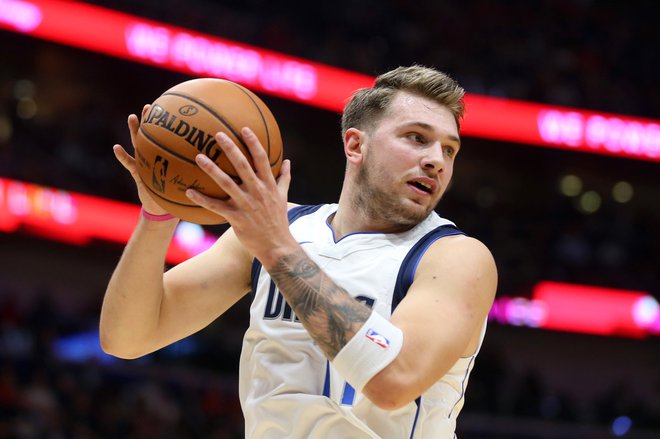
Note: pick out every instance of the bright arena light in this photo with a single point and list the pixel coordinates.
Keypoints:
(646, 311)
(590, 202)
(621, 425)
(570, 185)
(622, 192)
(189, 235)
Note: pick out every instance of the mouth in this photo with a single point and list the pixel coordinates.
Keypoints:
(423, 185)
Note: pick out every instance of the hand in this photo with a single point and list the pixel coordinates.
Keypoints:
(128, 162)
(257, 207)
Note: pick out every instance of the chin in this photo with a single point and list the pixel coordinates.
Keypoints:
(418, 209)
(411, 215)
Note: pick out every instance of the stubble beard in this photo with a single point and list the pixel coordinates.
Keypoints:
(382, 206)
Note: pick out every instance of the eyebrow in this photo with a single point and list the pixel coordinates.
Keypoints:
(429, 127)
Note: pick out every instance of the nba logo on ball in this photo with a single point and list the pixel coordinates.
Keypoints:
(377, 338)
(159, 173)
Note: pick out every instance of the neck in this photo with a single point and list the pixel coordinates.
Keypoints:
(350, 218)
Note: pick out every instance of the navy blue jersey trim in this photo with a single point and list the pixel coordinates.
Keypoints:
(409, 265)
(418, 401)
(294, 213)
(326, 381)
(298, 211)
(349, 395)
(465, 377)
(256, 270)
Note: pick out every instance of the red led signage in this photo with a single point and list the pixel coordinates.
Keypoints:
(183, 50)
(78, 219)
(583, 309)
(163, 45)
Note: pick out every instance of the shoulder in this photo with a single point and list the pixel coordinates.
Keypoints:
(459, 245)
(460, 260)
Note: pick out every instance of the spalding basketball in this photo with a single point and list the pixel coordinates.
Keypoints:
(182, 123)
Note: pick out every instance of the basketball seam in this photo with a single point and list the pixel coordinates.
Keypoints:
(161, 146)
(210, 110)
(263, 119)
(234, 177)
(170, 201)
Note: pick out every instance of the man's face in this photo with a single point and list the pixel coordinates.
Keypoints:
(408, 160)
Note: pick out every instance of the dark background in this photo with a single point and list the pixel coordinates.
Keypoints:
(598, 55)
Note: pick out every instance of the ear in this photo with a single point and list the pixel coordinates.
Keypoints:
(353, 145)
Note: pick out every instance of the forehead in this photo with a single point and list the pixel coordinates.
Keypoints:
(409, 108)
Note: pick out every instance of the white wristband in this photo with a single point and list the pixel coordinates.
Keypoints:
(372, 348)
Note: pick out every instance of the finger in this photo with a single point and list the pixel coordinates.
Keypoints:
(284, 179)
(237, 159)
(133, 127)
(221, 207)
(219, 176)
(258, 153)
(128, 162)
(124, 158)
(145, 109)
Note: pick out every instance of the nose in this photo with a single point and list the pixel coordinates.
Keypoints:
(434, 159)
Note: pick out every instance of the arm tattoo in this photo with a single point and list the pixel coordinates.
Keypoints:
(328, 312)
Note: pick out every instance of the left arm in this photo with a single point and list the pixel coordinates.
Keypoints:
(328, 312)
(441, 318)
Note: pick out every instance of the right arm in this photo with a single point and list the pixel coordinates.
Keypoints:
(145, 309)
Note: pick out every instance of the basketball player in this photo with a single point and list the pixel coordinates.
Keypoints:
(367, 315)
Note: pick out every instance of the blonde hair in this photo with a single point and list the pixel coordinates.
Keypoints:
(367, 105)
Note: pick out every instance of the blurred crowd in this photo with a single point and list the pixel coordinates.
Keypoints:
(48, 393)
(54, 387)
(61, 110)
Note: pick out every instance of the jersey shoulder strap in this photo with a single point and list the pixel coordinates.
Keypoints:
(298, 211)
(409, 265)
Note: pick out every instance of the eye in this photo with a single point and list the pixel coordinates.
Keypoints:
(450, 150)
(417, 138)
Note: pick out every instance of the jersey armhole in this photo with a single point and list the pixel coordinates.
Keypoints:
(409, 265)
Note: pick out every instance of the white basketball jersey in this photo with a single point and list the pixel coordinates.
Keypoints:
(288, 389)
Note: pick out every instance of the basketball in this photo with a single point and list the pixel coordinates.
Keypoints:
(181, 123)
